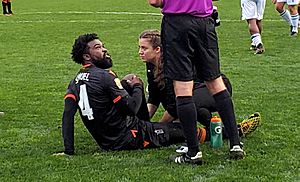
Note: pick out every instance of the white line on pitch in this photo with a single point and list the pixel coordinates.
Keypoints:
(91, 12)
(101, 21)
(120, 13)
(74, 21)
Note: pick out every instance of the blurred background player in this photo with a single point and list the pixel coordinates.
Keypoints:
(6, 6)
(291, 16)
(215, 15)
(252, 12)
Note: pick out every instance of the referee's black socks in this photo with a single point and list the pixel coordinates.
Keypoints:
(226, 111)
(187, 115)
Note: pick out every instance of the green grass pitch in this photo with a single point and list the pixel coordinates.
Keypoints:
(36, 68)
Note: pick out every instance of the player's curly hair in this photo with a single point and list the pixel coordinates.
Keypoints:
(80, 46)
(154, 39)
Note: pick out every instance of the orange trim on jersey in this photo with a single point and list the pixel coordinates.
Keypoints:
(202, 133)
(70, 96)
(112, 72)
(86, 65)
(146, 143)
(133, 133)
(117, 99)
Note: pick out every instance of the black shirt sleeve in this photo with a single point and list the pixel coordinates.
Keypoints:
(128, 104)
(70, 109)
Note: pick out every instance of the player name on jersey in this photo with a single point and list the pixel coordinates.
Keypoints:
(82, 76)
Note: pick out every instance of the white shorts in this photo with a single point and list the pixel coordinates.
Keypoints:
(253, 9)
(289, 2)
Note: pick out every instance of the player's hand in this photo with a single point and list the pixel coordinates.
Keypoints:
(135, 80)
(129, 77)
(132, 80)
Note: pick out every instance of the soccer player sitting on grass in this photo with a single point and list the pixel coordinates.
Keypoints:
(107, 110)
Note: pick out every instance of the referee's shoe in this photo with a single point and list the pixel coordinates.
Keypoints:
(237, 153)
(186, 159)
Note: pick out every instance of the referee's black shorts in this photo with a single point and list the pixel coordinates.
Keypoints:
(190, 48)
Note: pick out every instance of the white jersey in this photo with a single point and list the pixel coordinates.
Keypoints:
(253, 9)
(289, 2)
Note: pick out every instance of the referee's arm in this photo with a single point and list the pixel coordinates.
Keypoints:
(156, 3)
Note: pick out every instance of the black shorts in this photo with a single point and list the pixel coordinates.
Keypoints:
(190, 48)
(146, 134)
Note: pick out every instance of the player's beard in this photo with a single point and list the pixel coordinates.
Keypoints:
(104, 63)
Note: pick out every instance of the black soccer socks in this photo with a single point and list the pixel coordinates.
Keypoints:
(226, 111)
(187, 115)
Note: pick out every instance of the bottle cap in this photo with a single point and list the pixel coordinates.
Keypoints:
(215, 119)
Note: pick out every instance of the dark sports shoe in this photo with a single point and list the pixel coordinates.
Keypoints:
(237, 153)
(252, 47)
(201, 135)
(249, 125)
(185, 159)
(182, 149)
(294, 34)
(259, 49)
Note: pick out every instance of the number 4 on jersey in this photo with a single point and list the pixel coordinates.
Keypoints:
(84, 104)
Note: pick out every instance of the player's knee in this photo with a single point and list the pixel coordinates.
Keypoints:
(293, 9)
(215, 86)
(279, 8)
(182, 88)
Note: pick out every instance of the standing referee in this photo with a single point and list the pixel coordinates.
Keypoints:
(189, 41)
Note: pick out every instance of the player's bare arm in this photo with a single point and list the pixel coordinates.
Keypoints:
(156, 3)
(166, 117)
(152, 109)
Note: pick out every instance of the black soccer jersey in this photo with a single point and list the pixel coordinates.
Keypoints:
(166, 96)
(155, 93)
(104, 107)
(160, 94)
